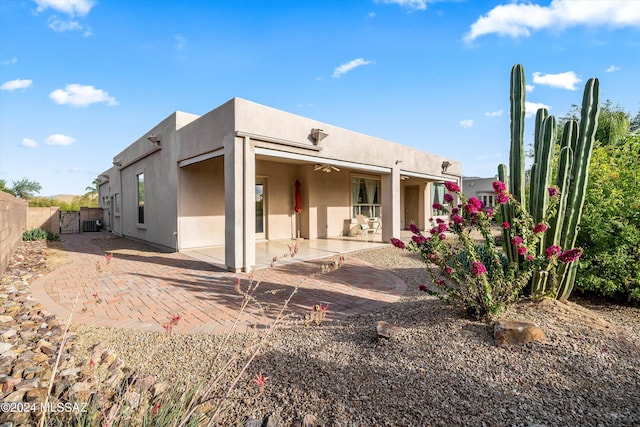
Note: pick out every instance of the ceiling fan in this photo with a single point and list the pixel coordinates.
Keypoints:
(325, 168)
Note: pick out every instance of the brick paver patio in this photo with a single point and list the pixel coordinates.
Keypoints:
(145, 289)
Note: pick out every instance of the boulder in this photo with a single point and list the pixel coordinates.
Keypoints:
(508, 332)
(386, 330)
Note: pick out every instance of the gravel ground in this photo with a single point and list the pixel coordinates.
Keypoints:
(441, 369)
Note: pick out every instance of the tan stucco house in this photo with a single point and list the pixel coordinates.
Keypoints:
(228, 178)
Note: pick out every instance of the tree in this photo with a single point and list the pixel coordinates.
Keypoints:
(3, 187)
(25, 188)
(92, 190)
(610, 229)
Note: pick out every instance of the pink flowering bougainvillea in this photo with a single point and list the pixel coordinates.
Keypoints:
(477, 276)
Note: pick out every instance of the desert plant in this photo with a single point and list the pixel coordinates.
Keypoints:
(571, 180)
(39, 234)
(477, 277)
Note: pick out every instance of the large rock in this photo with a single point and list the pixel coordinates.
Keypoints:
(508, 332)
(386, 330)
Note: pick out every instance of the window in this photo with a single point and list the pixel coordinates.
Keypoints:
(488, 201)
(141, 198)
(437, 193)
(116, 203)
(365, 197)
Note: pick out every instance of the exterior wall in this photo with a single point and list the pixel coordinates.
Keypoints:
(201, 219)
(280, 179)
(480, 188)
(158, 164)
(47, 218)
(13, 222)
(200, 183)
(341, 144)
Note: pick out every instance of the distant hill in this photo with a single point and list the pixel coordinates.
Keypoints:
(68, 198)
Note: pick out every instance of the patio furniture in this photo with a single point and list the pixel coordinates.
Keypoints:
(364, 227)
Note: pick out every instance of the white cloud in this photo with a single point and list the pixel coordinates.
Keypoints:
(12, 85)
(59, 139)
(70, 7)
(566, 80)
(408, 4)
(529, 88)
(466, 123)
(28, 142)
(78, 95)
(493, 113)
(531, 108)
(612, 68)
(345, 68)
(520, 19)
(60, 26)
(12, 61)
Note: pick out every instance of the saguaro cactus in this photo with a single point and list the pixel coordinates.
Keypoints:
(571, 176)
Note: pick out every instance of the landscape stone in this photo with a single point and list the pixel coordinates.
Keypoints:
(508, 332)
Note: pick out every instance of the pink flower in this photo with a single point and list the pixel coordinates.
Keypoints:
(442, 227)
(522, 250)
(473, 205)
(506, 225)
(448, 270)
(516, 241)
(502, 198)
(529, 257)
(489, 212)
(423, 288)
(539, 228)
(448, 198)
(457, 219)
(260, 380)
(553, 250)
(414, 229)
(440, 282)
(455, 210)
(442, 236)
(433, 231)
(478, 268)
(452, 186)
(397, 243)
(440, 220)
(419, 238)
(571, 255)
(499, 187)
(553, 191)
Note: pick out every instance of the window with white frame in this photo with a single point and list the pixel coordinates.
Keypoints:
(140, 181)
(116, 203)
(437, 196)
(365, 197)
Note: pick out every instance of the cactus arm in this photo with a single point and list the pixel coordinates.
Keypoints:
(506, 213)
(516, 155)
(541, 115)
(580, 172)
(567, 148)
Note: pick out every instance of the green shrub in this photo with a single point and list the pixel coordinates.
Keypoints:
(610, 229)
(39, 234)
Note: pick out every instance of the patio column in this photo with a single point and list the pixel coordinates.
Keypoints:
(233, 204)
(391, 204)
(249, 171)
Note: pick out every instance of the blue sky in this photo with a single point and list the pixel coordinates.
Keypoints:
(80, 79)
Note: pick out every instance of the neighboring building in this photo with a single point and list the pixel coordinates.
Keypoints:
(481, 189)
(228, 178)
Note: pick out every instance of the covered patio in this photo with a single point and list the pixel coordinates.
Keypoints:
(308, 249)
